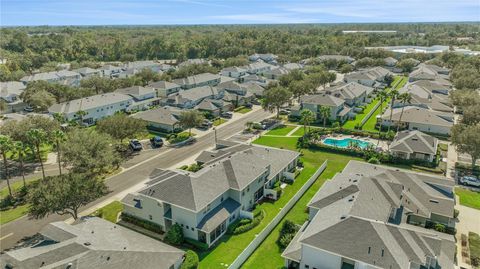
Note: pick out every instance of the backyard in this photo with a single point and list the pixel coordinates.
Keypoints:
(230, 246)
(268, 254)
(360, 116)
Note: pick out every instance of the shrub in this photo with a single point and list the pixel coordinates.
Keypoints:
(475, 261)
(194, 167)
(191, 260)
(183, 167)
(285, 240)
(373, 160)
(456, 213)
(196, 244)
(440, 228)
(175, 235)
(177, 138)
(288, 227)
(239, 108)
(241, 226)
(151, 226)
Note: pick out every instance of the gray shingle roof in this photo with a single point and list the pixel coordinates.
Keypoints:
(163, 85)
(420, 115)
(322, 99)
(163, 115)
(136, 91)
(196, 79)
(349, 90)
(414, 141)
(93, 243)
(90, 102)
(192, 95)
(218, 215)
(11, 87)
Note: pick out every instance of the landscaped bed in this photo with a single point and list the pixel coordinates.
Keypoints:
(110, 212)
(474, 244)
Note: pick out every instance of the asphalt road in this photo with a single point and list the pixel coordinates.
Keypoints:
(14, 231)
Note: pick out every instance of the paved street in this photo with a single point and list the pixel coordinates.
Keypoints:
(12, 232)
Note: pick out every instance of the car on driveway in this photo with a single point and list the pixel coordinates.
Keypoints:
(227, 115)
(470, 181)
(135, 145)
(156, 141)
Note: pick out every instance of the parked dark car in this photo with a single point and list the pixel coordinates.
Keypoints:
(248, 105)
(156, 141)
(227, 115)
(135, 145)
(206, 124)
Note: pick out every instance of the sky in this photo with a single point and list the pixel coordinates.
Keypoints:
(173, 12)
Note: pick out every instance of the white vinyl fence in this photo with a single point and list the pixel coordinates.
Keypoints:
(266, 231)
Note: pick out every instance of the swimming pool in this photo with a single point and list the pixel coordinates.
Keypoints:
(345, 142)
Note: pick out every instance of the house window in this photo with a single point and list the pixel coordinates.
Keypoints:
(150, 217)
(193, 229)
(182, 225)
(248, 188)
(221, 199)
(307, 266)
(187, 227)
(243, 193)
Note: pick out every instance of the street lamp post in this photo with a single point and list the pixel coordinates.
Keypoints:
(215, 131)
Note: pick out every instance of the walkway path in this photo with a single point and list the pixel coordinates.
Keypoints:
(294, 130)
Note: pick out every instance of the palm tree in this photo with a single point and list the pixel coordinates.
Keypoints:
(58, 138)
(36, 137)
(5, 146)
(324, 113)
(307, 117)
(393, 95)
(20, 152)
(404, 98)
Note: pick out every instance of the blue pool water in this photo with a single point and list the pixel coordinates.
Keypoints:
(345, 142)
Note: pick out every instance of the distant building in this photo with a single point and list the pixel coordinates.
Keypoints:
(93, 243)
(428, 72)
(205, 79)
(192, 97)
(88, 72)
(428, 94)
(143, 97)
(234, 72)
(63, 77)
(165, 88)
(371, 77)
(414, 49)
(268, 58)
(10, 92)
(338, 110)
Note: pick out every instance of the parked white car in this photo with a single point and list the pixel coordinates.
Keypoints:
(470, 181)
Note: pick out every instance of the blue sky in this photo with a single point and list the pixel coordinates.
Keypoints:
(121, 12)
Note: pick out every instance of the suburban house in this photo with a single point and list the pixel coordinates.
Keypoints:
(233, 72)
(416, 118)
(259, 67)
(259, 80)
(372, 216)
(88, 72)
(214, 107)
(338, 110)
(10, 93)
(192, 97)
(275, 73)
(110, 70)
(140, 65)
(427, 94)
(127, 73)
(253, 88)
(205, 79)
(353, 93)
(390, 61)
(293, 66)
(63, 77)
(165, 88)
(414, 145)
(237, 93)
(268, 58)
(428, 72)
(92, 243)
(143, 97)
(205, 202)
(164, 118)
(369, 77)
(193, 61)
(92, 108)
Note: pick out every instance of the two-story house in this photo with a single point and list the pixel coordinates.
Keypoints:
(193, 96)
(353, 93)
(143, 97)
(165, 88)
(63, 77)
(234, 72)
(338, 110)
(205, 79)
(368, 77)
(372, 216)
(204, 203)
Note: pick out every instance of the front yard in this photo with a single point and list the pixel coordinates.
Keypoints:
(230, 246)
(468, 198)
(13, 213)
(281, 130)
(110, 212)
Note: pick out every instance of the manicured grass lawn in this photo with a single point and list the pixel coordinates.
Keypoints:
(468, 198)
(301, 132)
(231, 246)
(281, 130)
(267, 255)
(44, 150)
(244, 110)
(219, 121)
(359, 117)
(474, 242)
(13, 214)
(110, 211)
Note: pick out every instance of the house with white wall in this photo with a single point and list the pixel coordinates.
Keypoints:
(233, 72)
(165, 88)
(368, 77)
(205, 202)
(338, 110)
(87, 72)
(204, 79)
(414, 145)
(372, 216)
(143, 97)
(10, 92)
(92, 108)
(193, 96)
(63, 77)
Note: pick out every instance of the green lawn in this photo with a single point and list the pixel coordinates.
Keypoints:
(219, 121)
(301, 132)
(474, 242)
(231, 246)
(359, 117)
(13, 214)
(267, 255)
(110, 212)
(281, 130)
(468, 198)
(244, 110)
(44, 150)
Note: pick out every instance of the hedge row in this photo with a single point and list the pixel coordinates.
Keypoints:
(191, 260)
(151, 226)
(244, 225)
(196, 244)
